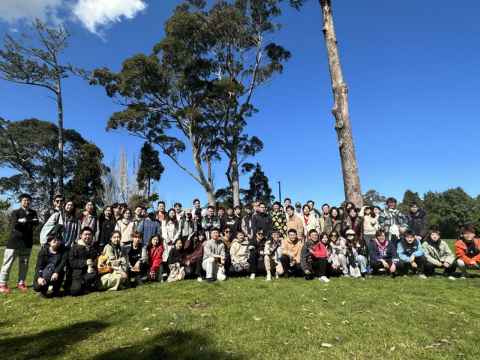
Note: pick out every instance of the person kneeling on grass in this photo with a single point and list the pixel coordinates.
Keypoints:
(175, 262)
(214, 257)
(438, 254)
(51, 262)
(314, 258)
(155, 258)
(240, 254)
(112, 264)
(272, 255)
(383, 255)
(467, 249)
(82, 259)
(137, 260)
(337, 258)
(291, 254)
(411, 255)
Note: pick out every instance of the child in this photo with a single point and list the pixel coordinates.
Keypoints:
(411, 255)
(155, 254)
(467, 249)
(338, 254)
(315, 258)
(240, 254)
(50, 269)
(383, 255)
(175, 262)
(19, 245)
(356, 255)
(272, 255)
(438, 254)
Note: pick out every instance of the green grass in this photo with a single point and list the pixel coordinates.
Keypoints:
(380, 318)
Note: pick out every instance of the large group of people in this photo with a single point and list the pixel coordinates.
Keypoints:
(82, 252)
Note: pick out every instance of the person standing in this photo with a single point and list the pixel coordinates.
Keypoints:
(20, 244)
(391, 219)
(417, 221)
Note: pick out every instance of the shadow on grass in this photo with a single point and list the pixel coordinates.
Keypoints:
(50, 343)
(171, 345)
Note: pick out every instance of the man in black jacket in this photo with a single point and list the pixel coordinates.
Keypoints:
(20, 243)
(417, 221)
(82, 261)
(51, 262)
(262, 221)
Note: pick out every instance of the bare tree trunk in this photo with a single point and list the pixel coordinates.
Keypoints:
(207, 184)
(60, 136)
(351, 179)
(235, 182)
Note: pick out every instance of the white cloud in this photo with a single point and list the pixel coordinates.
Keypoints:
(14, 10)
(95, 14)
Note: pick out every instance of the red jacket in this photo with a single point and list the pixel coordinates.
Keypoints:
(461, 252)
(319, 251)
(155, 257)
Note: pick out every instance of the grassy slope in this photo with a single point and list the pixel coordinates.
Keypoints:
(243, 319)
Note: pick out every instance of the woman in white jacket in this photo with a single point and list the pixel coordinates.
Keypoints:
(126, 227)
(171, 231)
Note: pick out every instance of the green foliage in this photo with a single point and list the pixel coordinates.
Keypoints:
(373, 198)
(408, 198)
(151, 168)
(259, 189)
(86, 184)
(30, 148)
(452, 209)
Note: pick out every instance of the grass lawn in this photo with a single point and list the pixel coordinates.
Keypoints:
(379, 318)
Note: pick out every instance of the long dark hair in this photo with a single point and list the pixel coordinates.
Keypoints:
(338, 213)
(171, 218)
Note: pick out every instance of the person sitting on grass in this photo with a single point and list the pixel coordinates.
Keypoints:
(438, 254)
(383, 255)
(257, 253)
(291, 254)
(411, 255)
(337, 255)
(82, 260)
(467, 249)
(240, 254)
(314, 258)
(137, 260)
(214, 257)
(50, 270)
(113, 265)
(155, 255)
(175, 262)
(194, 255)
(356, 254)
(272, 255)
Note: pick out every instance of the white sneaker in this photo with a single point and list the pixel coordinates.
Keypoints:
(324, 279)
(422, 276)
(277, 276)
(451, 278)
(463, 277)
(252, 277)
(269, 277)
(199, 279)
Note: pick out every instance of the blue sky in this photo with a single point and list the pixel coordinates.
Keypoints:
(411, 66)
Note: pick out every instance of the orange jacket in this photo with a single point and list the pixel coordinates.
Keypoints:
(461, 252)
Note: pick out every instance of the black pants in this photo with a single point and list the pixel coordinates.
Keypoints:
(256, 262)
(55, 284)
(404, 267)
(319, 268)
(378, 268)
(430, 268)
(194, 269)
(288, 269)
(82, 283)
